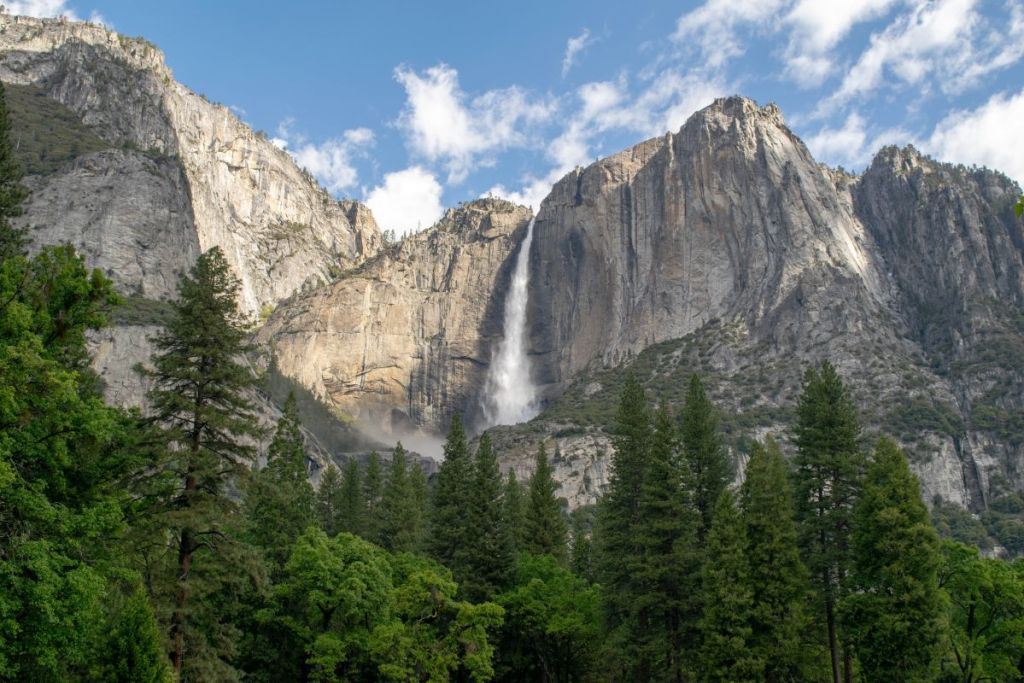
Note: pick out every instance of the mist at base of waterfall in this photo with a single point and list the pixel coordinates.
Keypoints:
(510, 395)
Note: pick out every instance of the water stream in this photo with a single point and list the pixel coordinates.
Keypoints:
(509, 395)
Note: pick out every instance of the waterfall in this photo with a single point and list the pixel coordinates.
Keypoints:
(509, 394)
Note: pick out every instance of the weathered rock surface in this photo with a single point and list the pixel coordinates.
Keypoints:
(403, 341)
(212, 181)
(723, 248)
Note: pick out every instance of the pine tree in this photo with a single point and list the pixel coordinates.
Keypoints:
(373, 488)
(894, 612)
(546, 530)
(488, 556)
(421, 495)
(705, 454)
(400, 521)
(617, 540)
(280, 502)
(352, 513)
(581, 549)
(829, 468)
(669, 563)
(778, 578)
(514, 511)
(199, 396)
(12, 192)
(328, 500)
(449, 532)
(726, 654)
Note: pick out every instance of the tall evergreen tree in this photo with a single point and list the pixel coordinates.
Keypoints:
(618, 523)
(199, 395)
(280, 502)
(421, 494)
(894, 612)
(726, 652)
(709, 463)
(581, 548)
(373, 489)
(669, 563)
(12, 193)
(449, 529)
(488, 557)
(546, 529)
(514, 511)
(400, 521)
(328, 500)
(829, 469)
(778, 578)
(352, 507)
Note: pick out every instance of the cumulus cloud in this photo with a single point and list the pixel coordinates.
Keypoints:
(816, 28)
(984, 136)
(853, 143)
(443, 124)
(49, 8)
(573, 47)
(944, 45)
(407, 201)
(714, 26)
(331, 161)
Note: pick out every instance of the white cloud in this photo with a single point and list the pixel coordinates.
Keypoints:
(852, 144)
(443, 124)
(816, 28)
(407, 201)
(941, 44)
(330, 161)
(49, 8)
(573, 47)
(714, 26)
(986, 136)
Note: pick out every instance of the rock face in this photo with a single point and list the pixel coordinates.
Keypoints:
(723, 248)
(188, 174)
(730, 236)
(403, 341)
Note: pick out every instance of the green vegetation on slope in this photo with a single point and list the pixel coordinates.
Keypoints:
(45, 134)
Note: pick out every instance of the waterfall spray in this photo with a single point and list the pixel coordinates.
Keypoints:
(509, 394)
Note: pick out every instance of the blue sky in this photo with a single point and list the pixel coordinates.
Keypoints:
(413, 106)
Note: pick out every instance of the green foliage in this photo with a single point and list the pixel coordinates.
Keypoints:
(894, 614)
(401, 516)
(704, 452)
(138, 310)
(44, 134)
(551, 628)
(12, 192)
(778, 578)
(487, 561)
(362, 614)
(373, 489)
(618, 519)
(581, 549)
(449, 527)
(280, 503)
(954, 523)
(726, 654)
(328, 500)
(666, 607)
(829, 468)
(985, 616)
(513, 505)
(199, 398)
(546, 529)
(61, 449)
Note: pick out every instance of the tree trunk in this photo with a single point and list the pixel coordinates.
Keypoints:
(833, 645)
(178, 620)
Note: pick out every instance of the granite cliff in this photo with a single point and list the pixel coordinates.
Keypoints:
(723, 248)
